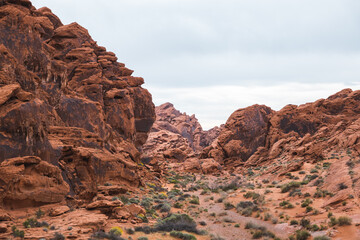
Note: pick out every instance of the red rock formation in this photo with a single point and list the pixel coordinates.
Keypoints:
(257, 135)
(68, 101)
(176, 136)
(29, 181)
(244, 132)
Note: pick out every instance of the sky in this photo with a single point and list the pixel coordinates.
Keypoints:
(210, 57)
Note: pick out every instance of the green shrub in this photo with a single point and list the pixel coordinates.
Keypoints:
(177, 222)
(17, 233)
(322, 238)
(181, 235)
(343, 220)
(142, 238)
(315, 228)
(178, 205)
(294, 222)
(228, 206)
(333, 221)
(130, 231)
(195, 200)
(39, 213)
(33, 223)
(302, 235)
(261, 231)
(289, 186)
(305, 223)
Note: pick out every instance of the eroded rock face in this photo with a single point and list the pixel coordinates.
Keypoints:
(257, 135)
(29, 181)
(244, 132)
(176, 136)
(68, 101)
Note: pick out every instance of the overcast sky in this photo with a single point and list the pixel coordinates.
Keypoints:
(210, 57)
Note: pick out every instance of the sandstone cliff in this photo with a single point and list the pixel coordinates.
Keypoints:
(65, 101)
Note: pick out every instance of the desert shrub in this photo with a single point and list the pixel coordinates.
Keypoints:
(103, 235)
(233, 185)
(124, 199)
(252, 195)
(309, 209)
(342, 186)
(315, 228)
(130, 231)
(17, 233)
(289, 186)
(294, 222)
(116, 231)
(195, 200)
(39, 213)
(145, 229)
(58, 236)
(181, 235)
(228, 206)
(260, 231)
(267, 216)
(333, 221)
(322, 238)
(177, 222)
(295, 192)
(146, 203)
(178, 205)
(165, 207)
(344, 220)
(305, 223)
(33, 223)
(142, 238)
(350, 164)
(202, 223)
(247, 212)
(244, 204)
(302, 235)
(286, 204)
(306, 202)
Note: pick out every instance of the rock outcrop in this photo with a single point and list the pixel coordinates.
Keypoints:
(67, 101)
(29, 181)
(176, 136)
(258, 135)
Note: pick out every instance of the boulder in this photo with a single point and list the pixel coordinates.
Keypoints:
(30, 182)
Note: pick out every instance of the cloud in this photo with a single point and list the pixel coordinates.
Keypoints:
(214, 104)
(211, 58)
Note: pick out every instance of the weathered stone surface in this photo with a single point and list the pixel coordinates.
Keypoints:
(128, 211)
(68, 101)
(244, 132)
(29, 181)
(60, 210)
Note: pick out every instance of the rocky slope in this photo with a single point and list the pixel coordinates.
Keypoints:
(71, 116)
